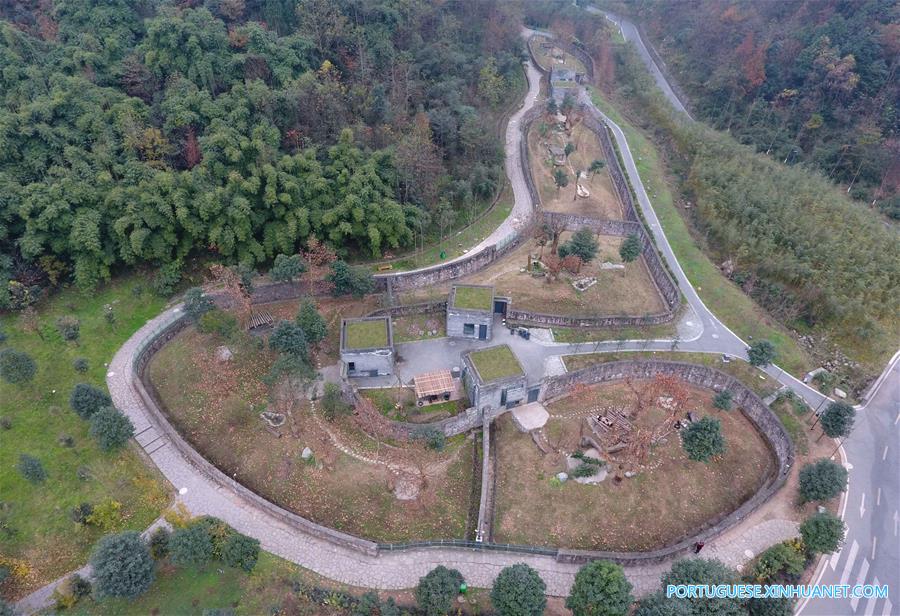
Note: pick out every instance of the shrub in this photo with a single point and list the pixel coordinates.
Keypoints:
(288, 338)
(217, 321)
(434, 439)
(822, 533)
(722, 400)
(585, 469)
(658, 604)
(332, 403)
(630, 249)
(780, 562)
(240, 551)
(770, 606)
(437, 589)
(167, 278)
(346, 280)
(311, 322)
(519, 591)
(705, 572)
(197, 303)
(822, 480)
(285, 268)
(16, 366)
(86, 400)
(66, 440)
(6, 609)
(107, 515)
(109, 314)
(6, 423)
(191, 546)
(837, 419)
(80, 364)
(122, 566)
(70, 591)
(159, 543)
(81, 513)
(600, 589)
(761, 353)
(31, 469)
(80, 586)
(702, 440)
(111, 428)
(69, 328)
(583, 245)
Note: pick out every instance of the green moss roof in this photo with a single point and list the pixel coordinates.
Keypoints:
(495, 363)
(365, 334)
(473, 298)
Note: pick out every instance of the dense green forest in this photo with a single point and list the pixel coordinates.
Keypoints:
(146, 131)
(812, 83)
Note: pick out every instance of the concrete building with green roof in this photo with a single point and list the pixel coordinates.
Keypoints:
(367, 346)
(494, 379)
(470, 312)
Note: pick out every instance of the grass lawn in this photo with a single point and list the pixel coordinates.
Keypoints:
(651, 332)
(757, 380)
(347, 485)
(669, 498)
(34, 519)
(419, 327)
(366, 334)
(495, 363)
(473, 298)
(547, 61)
(399, 403)
(723, 297)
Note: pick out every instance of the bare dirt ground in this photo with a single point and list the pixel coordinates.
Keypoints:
(602, 202)
(669, 499)
(616, 293)
(352, 480)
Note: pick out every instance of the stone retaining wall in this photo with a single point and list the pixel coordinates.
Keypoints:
(410, 309)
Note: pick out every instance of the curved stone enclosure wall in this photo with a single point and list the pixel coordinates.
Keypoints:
(753, 408)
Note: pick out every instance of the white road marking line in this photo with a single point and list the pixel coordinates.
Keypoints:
(862, 505)
(860, 579)
(851, 559)
(884, 453)
(874, 543)
(878, 497)
(833, 561)
(870, 603)
(887, 608)
(897, 419)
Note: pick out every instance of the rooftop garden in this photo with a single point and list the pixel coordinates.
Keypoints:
(473, 298)
(366, 334)
(495, 363)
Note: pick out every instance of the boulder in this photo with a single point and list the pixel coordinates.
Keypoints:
(223, 353)
(840, 393)
(306, 454)
(562, 477)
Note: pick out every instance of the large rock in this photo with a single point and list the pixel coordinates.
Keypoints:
(223, 353)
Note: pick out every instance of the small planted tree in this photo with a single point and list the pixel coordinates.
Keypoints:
(311, 322)
(822, 533)
(69, 328)
(761, 353)
(16, 366)
(781, 562)
(596, 166)
(630, 249)
(240, 551)
(197, 303)
(569, 148)
(822, 480)
(288, 338)
(703, 440)
(437, 589)
(658, 604)
(31, 469)
(111, 428)
(122, 566)
(560, 178)
(86, 400)
(159, 543)
(837, 419)
(583, 244)
(285, 268)
(191, 546)
(708, 573)
(600, 589)
(346, 280)
(519, 591)
(80, 364)
(722, 400)
(332, 403)
(770, 606)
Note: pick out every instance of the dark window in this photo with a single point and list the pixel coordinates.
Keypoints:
(351, 366)
(468, 329)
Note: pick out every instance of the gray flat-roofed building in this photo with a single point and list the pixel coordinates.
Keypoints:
(470, 312)
(367, 346)
(494, 380)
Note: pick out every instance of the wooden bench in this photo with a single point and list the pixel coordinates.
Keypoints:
(260, 318)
